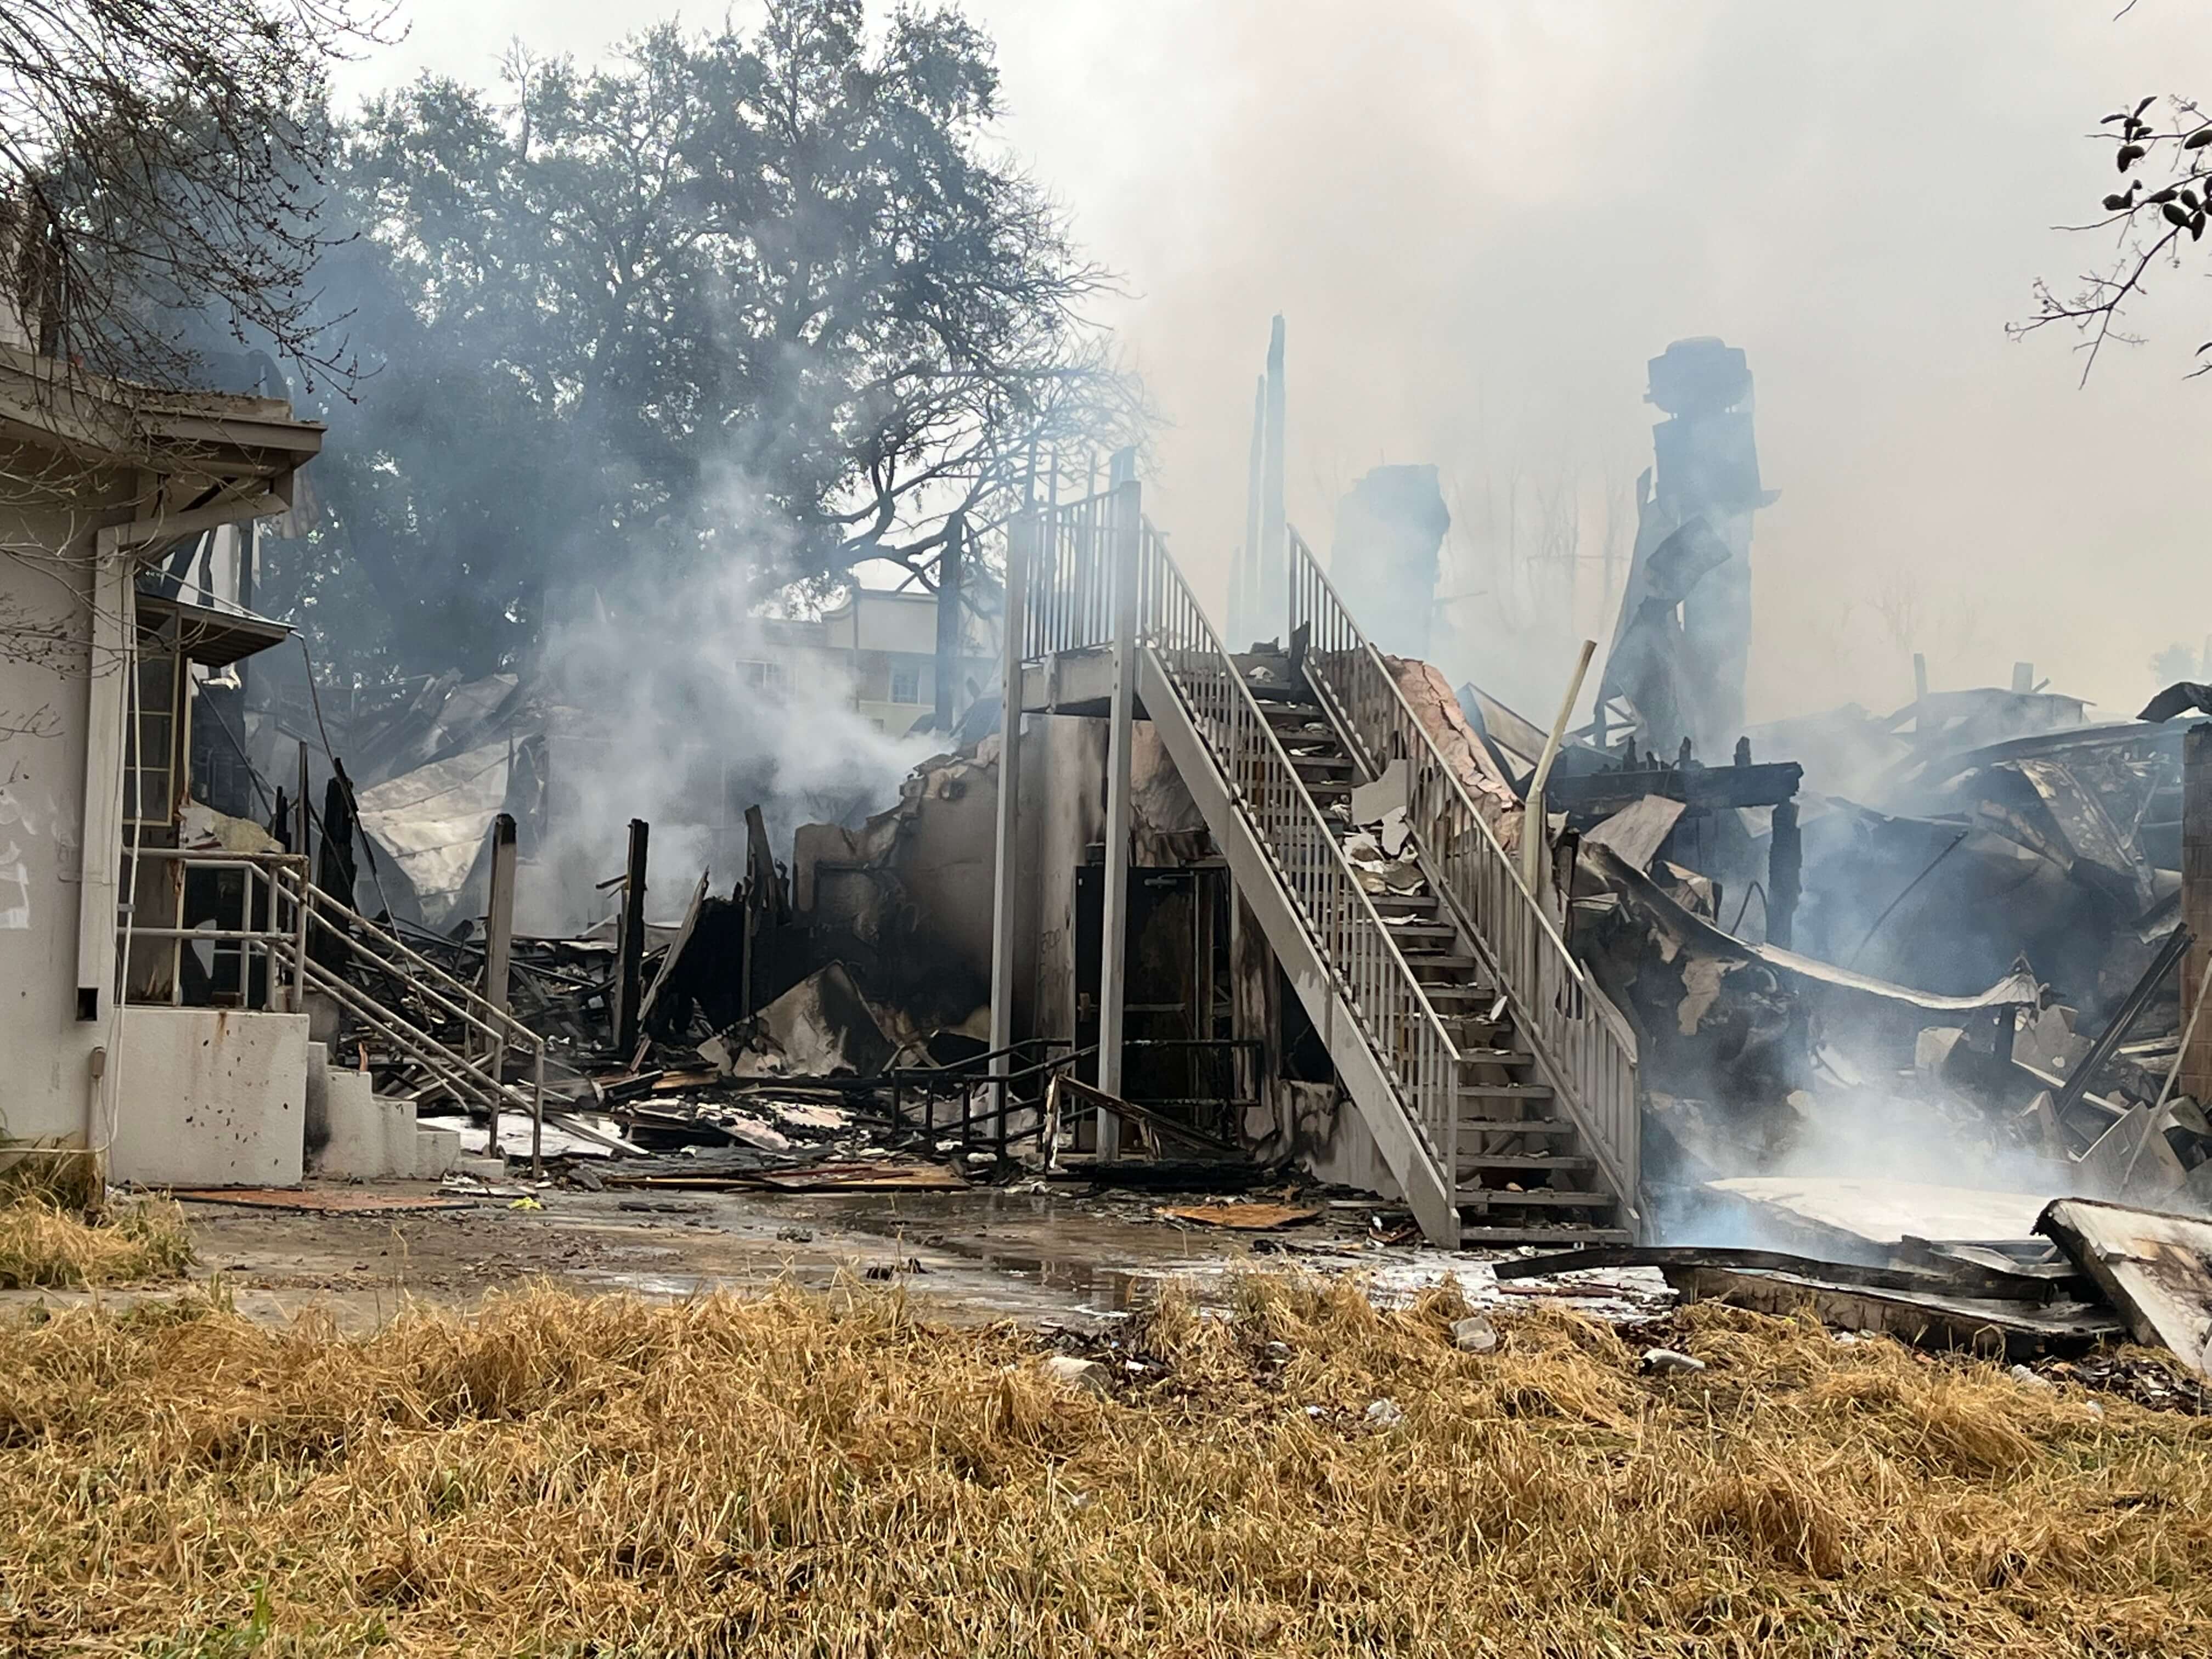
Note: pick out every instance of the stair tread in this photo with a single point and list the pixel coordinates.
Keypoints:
(1516, 1126)
(1496, 1057)
(1580, 1199)
(1509, 1091)
(1523, 1161)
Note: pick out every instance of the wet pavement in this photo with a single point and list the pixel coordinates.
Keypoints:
(1051, 1256)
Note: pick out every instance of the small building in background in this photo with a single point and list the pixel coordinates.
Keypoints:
(883, 644)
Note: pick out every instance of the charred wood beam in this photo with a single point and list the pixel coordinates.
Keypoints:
(1764, 784)
(630, 957)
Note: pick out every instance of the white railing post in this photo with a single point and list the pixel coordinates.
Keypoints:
(1126, 520)
(1021, 541)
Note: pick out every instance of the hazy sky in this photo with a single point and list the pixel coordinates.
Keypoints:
(1481, 219)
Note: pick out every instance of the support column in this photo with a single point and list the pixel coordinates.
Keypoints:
(100, 855)
(1114, 935)
(1005, 888)
(629, 956)
(1785, 862)
(2195, 1079)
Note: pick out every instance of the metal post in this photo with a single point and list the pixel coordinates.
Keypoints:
(1128, 529)
(1021, 540)
(300, 940)
(537, 1114)
(499, 930)
(299, 819)
(630, 950)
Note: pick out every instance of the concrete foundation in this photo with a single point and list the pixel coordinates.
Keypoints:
(210, 1098)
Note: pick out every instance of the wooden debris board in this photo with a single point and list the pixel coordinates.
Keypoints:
(313, 1202)
(2157, 1269)
(1244, 1218)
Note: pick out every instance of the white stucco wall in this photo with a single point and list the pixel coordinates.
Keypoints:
(209, 1097)
(45, 1077)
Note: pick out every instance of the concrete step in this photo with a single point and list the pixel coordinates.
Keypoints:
(1566, 1237)
(437, 1151)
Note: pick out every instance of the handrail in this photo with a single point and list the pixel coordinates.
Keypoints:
(261, 871)
(476, 1077)
(1332, 907)
(1577, 1038)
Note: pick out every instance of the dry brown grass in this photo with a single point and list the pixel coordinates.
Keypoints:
(131, 1242)
(791, 1475)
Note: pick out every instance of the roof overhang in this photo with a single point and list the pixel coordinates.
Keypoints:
(214, 457)
(214, 635)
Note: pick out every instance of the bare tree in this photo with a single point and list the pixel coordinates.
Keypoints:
(1901, 606)
(2165, 162)
(162, 170)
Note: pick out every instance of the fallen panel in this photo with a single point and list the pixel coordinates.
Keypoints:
(1922, 1318)
(822, 1027)
(1977, 1271)
(2157, 1269)
(514, 1137)
(1881, 1214)
(1638, 830)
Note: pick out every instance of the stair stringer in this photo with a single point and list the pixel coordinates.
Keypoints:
(1428, 1193)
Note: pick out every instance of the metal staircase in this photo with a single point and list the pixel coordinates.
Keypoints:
(1498, 1083)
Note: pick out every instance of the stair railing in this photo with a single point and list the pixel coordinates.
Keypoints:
(1338, 916)
(475, 1067)
(1580, 1043)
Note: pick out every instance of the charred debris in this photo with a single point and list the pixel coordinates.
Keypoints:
(1896, 981)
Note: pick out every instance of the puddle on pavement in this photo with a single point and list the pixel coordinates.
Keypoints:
(1034, 1255)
